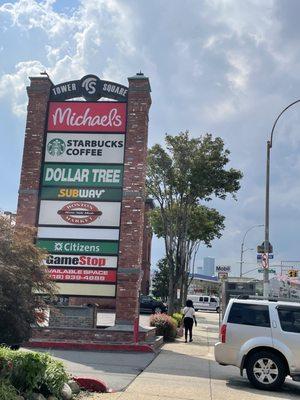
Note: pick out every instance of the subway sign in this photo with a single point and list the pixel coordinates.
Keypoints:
(72, 193)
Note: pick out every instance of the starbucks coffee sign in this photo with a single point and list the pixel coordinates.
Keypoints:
(87, 148)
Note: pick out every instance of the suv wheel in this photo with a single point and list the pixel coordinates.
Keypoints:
(157, 310)
(218, 309)
(266, 370)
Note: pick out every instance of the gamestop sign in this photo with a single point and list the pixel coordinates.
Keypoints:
(80, 261)
(87, 117)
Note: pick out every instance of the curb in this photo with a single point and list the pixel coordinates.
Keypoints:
(93, 385)
(143, 348)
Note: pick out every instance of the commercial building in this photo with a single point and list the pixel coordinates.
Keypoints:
(208, 266)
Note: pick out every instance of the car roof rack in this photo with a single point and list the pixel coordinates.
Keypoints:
(274, 299)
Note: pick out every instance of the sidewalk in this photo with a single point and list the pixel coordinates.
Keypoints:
(187, 371)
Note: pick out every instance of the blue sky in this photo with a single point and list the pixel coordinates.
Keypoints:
(227, 67)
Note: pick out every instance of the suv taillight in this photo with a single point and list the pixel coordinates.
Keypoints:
(223, 333)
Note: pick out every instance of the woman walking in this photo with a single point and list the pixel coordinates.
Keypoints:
(189, 318)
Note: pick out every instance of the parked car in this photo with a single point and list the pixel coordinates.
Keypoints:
(149, 304)
(202, 302)
(262, 337)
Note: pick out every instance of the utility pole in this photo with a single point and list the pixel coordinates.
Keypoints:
(266, 280)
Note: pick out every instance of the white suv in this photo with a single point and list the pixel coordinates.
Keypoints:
(263, 337)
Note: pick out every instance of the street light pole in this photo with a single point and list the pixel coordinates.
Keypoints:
(266, 280)
(242, 247)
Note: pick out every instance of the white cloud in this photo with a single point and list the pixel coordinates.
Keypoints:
(75, 43)
(13, 85)
(239, 76)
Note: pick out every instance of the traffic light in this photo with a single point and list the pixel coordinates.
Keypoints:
(293, 273)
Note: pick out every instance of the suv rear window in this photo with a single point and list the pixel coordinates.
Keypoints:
(249, 314)
(289, 319)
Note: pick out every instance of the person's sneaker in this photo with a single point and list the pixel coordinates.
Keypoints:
(191, 340)
(185, 341)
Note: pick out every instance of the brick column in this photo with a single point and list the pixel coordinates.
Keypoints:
(133, 206)
(38, 93)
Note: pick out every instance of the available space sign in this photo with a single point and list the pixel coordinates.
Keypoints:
(85, 148)
(83, 275)
(79, 213)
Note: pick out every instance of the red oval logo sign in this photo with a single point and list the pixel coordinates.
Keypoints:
(79, 213)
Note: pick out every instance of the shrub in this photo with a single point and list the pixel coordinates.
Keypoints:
(166, 326)
(7, 391)
(28, 371)
(19, 257)
(178, 317)
(55, 376)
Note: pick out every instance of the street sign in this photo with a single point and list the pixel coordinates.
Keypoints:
(271, 271)
(293, 273)
(265, 260)
(261, 248)
(222, 276)
(259, 256)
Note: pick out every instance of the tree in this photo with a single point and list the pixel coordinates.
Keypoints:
(204, 224)
(160, 280)
(189, 171)
(23, 275)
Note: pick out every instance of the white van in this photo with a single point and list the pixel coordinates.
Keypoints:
(203, 302)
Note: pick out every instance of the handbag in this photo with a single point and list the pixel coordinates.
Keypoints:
(180, 331)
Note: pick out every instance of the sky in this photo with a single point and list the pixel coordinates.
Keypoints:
(227, 67)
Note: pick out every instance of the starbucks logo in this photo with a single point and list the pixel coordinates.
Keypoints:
(56, 147)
